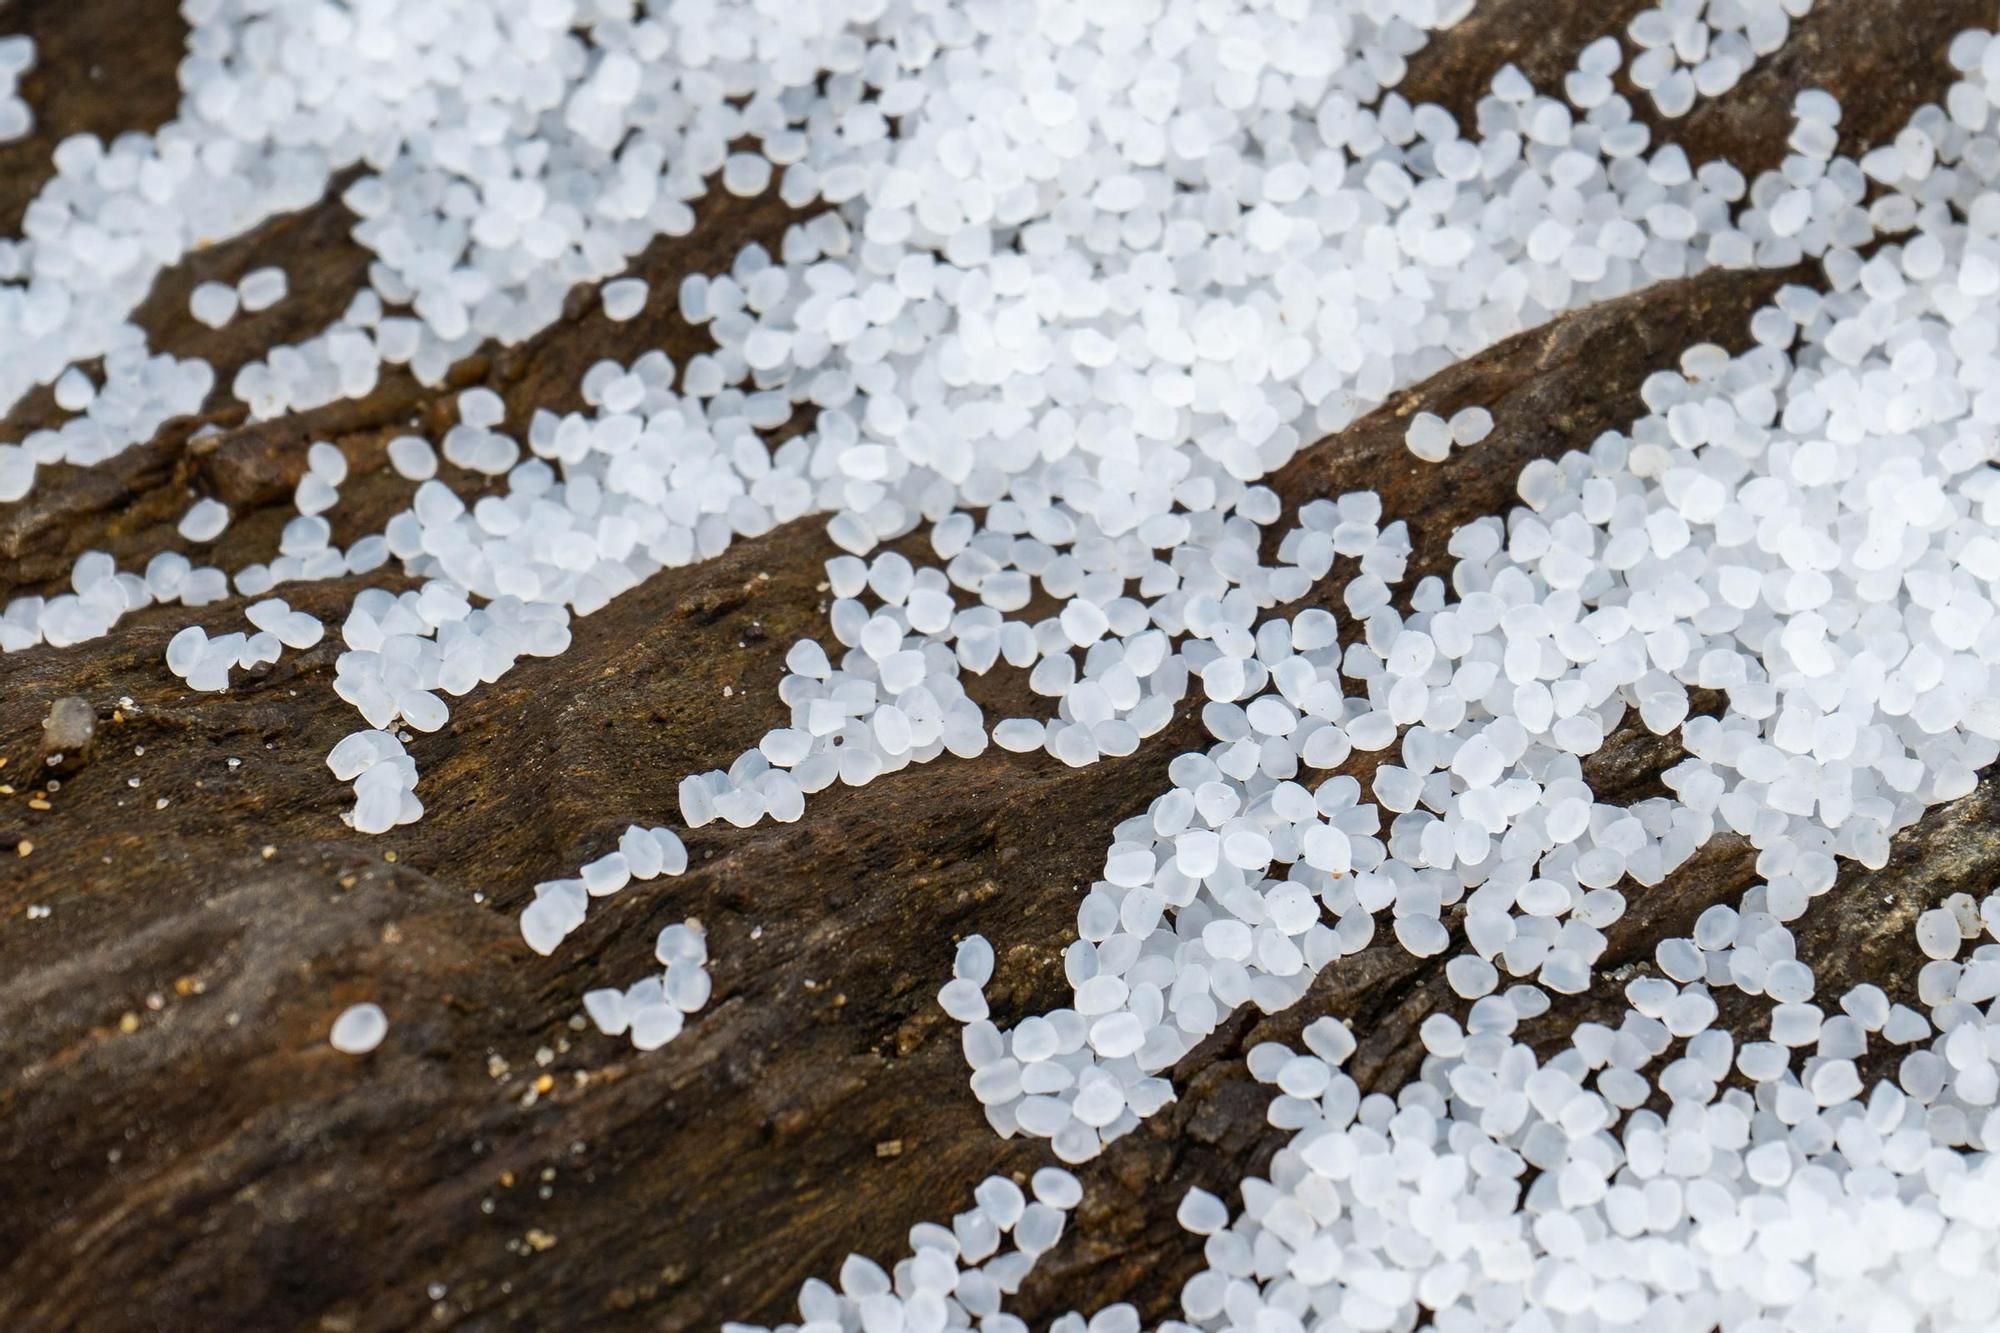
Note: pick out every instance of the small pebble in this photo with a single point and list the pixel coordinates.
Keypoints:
(68, 734)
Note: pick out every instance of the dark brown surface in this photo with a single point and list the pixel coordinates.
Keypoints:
(102, 67)
(1882, 59)
(1542, 41)
(185, 1150)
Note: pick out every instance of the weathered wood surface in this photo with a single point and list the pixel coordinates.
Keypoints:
(184, 1149)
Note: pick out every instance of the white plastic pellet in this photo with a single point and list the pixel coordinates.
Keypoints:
(624, 299)
(205, 520)
(262, 288)
(359, 1029)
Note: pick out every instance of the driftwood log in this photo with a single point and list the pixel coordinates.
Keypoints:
(184, 1150)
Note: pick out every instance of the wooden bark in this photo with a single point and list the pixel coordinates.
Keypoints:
(184, 1148)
